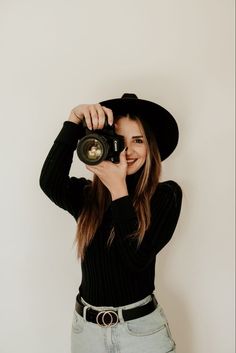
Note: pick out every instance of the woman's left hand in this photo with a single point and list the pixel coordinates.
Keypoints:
(112, 175)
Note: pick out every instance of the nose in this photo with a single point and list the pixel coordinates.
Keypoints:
(128, 150)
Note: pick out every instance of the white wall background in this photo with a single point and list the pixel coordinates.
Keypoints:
(58, 54)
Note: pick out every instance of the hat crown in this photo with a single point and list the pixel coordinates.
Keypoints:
(129, 96)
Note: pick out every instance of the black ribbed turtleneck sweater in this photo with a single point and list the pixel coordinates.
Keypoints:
(120, 274)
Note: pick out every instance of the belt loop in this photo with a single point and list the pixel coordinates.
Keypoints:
(120, 315)
(85, 311)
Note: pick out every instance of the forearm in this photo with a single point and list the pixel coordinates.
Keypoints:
(63, 190)
(58, 162)
(56, 167)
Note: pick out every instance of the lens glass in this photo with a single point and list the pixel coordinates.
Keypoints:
(93, 149)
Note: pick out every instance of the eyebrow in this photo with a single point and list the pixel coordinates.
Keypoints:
(135, 137)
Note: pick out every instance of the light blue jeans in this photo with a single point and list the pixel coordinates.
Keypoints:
(147, 334)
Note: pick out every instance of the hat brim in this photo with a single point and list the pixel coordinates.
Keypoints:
(162, 123)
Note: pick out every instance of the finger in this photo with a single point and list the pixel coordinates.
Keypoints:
(88, 119)
(109, 114)
(123, 156)
(101, 116)
(94, 117)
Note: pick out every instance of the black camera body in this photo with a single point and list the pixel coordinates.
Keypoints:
(102, 144)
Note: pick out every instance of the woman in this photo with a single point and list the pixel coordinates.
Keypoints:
(125, 216)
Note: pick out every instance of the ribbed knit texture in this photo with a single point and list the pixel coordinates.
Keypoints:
(120, 274)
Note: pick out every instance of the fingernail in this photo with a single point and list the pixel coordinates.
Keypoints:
(125, 149)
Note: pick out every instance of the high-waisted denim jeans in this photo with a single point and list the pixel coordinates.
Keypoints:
(147, 334)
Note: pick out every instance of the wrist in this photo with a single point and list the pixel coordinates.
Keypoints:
(73, 118)
(119, 192)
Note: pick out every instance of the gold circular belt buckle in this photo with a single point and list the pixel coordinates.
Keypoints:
(113, 318)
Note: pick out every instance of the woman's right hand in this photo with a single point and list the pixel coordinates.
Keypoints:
(94, 115)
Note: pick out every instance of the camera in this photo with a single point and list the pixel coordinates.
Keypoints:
(102, 144)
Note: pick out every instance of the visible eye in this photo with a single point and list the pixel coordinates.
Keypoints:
(140, 140)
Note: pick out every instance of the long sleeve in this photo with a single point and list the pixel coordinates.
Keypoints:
(165, 211)
(66, 192)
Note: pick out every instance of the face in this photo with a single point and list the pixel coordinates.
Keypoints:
(137, 150)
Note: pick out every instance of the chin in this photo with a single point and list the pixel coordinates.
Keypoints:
(131, 170)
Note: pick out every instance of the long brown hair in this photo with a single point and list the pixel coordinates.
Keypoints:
(98, 196)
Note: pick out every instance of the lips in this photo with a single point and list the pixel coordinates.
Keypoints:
(131, 161)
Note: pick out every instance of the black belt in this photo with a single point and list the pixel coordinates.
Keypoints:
(108, 318)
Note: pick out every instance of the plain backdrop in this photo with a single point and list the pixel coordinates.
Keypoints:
(59, 54)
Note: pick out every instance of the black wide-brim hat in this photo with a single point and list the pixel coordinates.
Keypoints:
(160, 121)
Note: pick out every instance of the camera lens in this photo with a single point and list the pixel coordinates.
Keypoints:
(92, 149)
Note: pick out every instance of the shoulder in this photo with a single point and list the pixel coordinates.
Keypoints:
(169, 190)
(171, 186)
